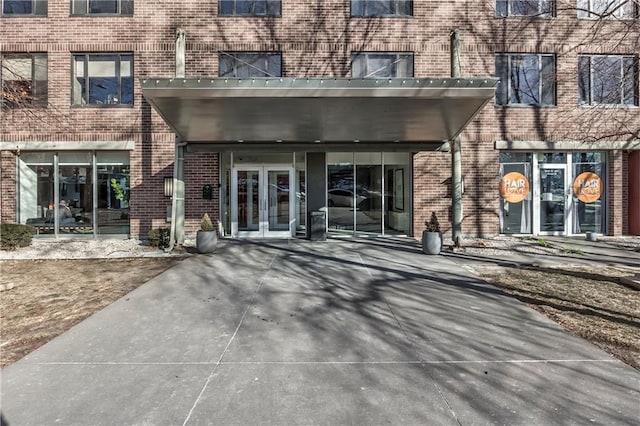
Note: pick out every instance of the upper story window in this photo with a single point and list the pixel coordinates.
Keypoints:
(526, 79)
(536, 8)
(24, 7)
(103, 79)
(381, 7)
(250, 7)
(235, 64)
(24, 79)
(382, 65)
(102, 7)
(607, 9)
(608, 80)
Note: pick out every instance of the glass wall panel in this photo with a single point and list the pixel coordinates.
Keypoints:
(340, 192)
(397, 194)
(278, 192)
(36, 191)
(248, 200)
(75, 191)
(113, 197)
(368, 195)
(301, 192)
(515, 191)
(589, 192)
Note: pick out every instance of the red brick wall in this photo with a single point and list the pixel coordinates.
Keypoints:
(316, 38)
(7, 187)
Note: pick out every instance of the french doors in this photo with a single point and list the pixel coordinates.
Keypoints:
(261, 204)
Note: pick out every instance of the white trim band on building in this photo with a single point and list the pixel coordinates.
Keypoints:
(567, 145)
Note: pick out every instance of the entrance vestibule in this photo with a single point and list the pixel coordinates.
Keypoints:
(268, 194)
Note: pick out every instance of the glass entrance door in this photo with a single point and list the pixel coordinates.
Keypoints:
(553, 199)
(260, 201)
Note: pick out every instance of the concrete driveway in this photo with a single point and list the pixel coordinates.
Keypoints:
(341, 332)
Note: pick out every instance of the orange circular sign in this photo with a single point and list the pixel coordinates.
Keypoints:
(514, 187)
(587, 187)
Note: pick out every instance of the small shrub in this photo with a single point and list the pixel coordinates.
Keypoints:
(14, 235)
(432, 225)
(206, 224)
(160, 237)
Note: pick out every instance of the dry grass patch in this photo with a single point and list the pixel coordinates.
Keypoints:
(50, 296)
(591, 303)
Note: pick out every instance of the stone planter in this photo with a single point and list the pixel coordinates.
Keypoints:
(206, 241)
(431, 242)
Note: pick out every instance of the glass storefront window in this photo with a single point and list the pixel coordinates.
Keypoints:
(565, 192)
(70, 193)
(369, 193)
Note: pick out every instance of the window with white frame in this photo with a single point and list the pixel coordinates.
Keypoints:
(526, 79)
(240, 64)
(24, 7)
(608, 9)
(102, 7)
(250, 7)
(381, 64)
(381, 7)
(608, 80)
(24, 80)
(535, 8)
(103, 79)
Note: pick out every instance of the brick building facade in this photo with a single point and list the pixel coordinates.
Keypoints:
(84, 141)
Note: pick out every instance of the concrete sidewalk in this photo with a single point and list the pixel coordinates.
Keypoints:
(341, 332)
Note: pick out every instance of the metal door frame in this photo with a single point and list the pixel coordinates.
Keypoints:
(263, 203)
(537, 198)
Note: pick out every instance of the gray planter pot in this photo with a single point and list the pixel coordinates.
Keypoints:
(206, 241)
(431, 242)
(592, 236)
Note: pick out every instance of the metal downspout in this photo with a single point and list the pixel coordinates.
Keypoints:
(177, 198)
(456, 156)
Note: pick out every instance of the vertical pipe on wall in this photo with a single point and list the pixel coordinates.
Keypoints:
(456, 158)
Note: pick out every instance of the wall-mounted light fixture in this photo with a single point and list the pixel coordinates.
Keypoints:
(168, 186)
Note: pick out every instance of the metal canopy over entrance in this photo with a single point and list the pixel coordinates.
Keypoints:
(308, 110)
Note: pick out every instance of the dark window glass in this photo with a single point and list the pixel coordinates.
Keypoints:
(102, 7)
(242, 65)
(24, 7)
(103, 79)
(24, 80)
(608, 80)
(536, 8)
(607, 9)
(526, 80)
(250, 7)
(382, 65)
(381, 7)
